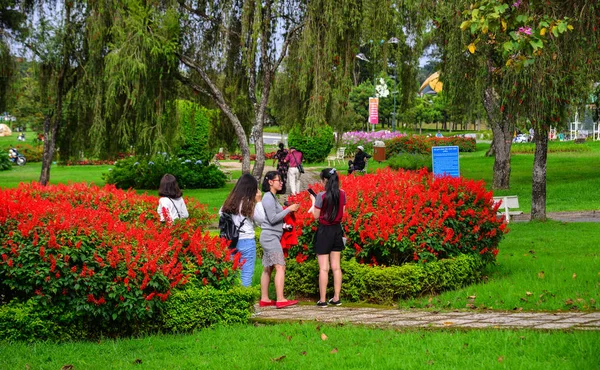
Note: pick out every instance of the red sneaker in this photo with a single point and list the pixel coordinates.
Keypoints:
(286, 303)
(266, 303)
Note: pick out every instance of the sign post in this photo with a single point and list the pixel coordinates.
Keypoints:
(445, 161)
(373, 111)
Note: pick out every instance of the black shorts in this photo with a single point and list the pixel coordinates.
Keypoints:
(328, 238)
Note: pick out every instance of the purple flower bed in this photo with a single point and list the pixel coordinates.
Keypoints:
(353, 139)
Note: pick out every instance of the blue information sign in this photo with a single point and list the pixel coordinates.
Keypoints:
(445, 160)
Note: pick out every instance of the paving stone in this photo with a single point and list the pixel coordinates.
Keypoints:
(452, 322)
(500, 320)
(580, 320)
(526, 323)
(592, 323)
(385, 319)
(554, 325)
(587, 328)
(406, 323)
(457, 314)
(485, 316)
(593, 314)
(432, 317)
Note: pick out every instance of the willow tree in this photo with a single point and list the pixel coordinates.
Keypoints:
(546, 57)
(210, 31)
(322, 68)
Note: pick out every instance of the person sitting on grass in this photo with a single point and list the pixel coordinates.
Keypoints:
(359, 162)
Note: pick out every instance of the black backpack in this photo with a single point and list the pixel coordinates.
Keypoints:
(229, 230)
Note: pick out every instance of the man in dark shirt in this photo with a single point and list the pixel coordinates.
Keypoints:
(359, 160)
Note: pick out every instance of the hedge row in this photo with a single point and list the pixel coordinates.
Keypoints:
(386, 285)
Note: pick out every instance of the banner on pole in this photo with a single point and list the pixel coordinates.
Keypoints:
(373, 111)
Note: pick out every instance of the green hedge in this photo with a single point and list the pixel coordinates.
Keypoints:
(385, 285)
(410, 161)
(314, 148)
(198, 307)
(422, 145)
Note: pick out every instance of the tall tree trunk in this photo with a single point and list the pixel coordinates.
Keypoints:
(538, 191)
(502, 142)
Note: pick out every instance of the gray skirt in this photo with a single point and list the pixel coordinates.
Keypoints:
(272, 251)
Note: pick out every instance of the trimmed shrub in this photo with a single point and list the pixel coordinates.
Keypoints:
(314, 148)
(422, 144)
(553, 147)
(143, 173)
(198, 307)
(386, 285)
(351, 140)
(194, 122)
(410, 161)
(393, 217)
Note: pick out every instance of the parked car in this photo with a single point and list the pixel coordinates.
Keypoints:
(521, 138)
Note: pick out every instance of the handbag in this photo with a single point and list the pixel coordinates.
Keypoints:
(298, 165)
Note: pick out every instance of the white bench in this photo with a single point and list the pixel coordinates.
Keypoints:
(508, 202)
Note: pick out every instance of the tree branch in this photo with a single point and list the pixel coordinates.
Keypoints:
(285, 45)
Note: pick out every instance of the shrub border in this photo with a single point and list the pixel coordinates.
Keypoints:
(386, 285)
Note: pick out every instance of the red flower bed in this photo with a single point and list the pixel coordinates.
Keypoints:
(394, 217)
(87, 162)
(102, 251)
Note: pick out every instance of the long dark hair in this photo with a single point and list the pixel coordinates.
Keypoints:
(271, 175)
(331, 202)
(244, 193)
(168, 187)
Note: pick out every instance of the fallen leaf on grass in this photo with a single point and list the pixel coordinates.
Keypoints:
(27, 367)
(500, 359)
(569, 301)
(323, 336)
(67, 367)
(541, 274)
(574, 276)
(472, 297)
(448, 323)
(470, 305)
(529, 293)
(278, 358)
(592, 301)
(335, 350)
(303, 353)
(137, 361)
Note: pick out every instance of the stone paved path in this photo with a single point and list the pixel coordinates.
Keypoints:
(408, 318)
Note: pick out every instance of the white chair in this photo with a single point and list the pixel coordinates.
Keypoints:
(339, 156)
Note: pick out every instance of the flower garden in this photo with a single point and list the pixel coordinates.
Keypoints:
(98, 261)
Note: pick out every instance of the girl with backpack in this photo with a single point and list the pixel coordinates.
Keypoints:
(171, 205)
(243, 204)
(270, 240)
(329, 206)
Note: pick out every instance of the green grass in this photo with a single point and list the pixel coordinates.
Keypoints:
(557, 263)
(573, 179)
(300, 346)
(58, 174)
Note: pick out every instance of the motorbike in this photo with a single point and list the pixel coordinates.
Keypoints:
(16, 157)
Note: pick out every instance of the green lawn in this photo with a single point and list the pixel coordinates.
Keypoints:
(301, 346)
(541, 267)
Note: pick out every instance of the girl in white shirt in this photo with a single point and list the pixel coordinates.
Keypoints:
(171, 203)
(244, 205)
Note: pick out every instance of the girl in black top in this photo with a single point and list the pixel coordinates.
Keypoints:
(329, 209)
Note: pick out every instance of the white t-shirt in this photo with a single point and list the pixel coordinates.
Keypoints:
(247, 229)
(172, 206)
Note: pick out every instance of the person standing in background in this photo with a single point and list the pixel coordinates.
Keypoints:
(282, 166)
(294, 159)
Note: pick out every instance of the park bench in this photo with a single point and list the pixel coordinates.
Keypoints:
(508, 202)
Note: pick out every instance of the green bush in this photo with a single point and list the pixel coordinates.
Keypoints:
(198, 307)
(314, 148)
(553, 147)
(33, 153)
(33, 321)
(410, 161)
(385, 285)
(194, 123)
(5, 163)
(143, 173)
